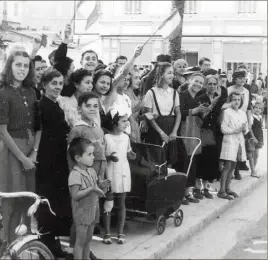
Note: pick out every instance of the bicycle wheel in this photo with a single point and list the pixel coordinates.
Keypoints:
(34, 250)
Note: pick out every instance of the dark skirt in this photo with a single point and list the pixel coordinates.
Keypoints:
(52, 182)
(208, 168)
(172, 149)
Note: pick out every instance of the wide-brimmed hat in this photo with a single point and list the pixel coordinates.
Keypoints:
(239, 74)
(190, 70)
(162, 58)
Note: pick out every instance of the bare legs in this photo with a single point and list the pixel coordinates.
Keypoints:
(253, 162)
(226, 177)
(82, 243)
(119, 199)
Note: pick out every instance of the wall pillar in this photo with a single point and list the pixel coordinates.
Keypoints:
(217, 54)
(264, 57)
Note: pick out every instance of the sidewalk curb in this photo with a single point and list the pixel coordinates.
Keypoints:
(165, 247)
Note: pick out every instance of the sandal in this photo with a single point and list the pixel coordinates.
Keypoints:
(198, 194)
(121, 239)
(191, 199)
(107, 239)
(207, 194)
(255, 175)
(224, 195)
(232, 193)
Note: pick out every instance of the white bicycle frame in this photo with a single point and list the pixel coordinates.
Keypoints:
(15, 245)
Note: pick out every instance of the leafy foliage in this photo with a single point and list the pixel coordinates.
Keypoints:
(175, 43)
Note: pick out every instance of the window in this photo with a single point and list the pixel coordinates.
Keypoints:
(254, 67)
(190, 7)
(133, 7)
(16, 9)
(5, 9)
(248, 7)
(191, 58)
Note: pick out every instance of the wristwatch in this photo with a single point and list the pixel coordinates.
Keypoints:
(35, 150)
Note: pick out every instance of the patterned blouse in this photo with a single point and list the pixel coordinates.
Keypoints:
(19, 110)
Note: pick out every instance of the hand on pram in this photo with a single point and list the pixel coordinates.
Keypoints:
(131, 155)
(112, 157)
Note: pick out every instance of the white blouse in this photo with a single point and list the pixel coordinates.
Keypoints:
(164, 99)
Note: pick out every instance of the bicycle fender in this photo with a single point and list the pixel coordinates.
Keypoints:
(21, 241)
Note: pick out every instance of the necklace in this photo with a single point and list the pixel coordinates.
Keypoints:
(17, 89)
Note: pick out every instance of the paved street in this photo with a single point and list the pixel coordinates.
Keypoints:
(227, 237)
(254, 243)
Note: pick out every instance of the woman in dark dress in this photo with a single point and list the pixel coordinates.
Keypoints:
(191, 106)
(208, 169)
(52, 170)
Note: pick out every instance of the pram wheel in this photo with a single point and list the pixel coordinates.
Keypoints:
(161, 225)
(178, 218)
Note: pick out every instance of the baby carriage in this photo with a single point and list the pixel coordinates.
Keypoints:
(156, 192)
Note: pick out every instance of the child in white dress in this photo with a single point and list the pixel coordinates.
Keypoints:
(118, 151)
(234, 125)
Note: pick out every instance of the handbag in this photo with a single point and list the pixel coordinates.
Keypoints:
(239, 154)
(250, 146)
(191, 128)
(207, 137)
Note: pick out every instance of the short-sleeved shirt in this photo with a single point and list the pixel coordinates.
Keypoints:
(85, 210)
(93, 133)
(164, 99)
(19, 110)
(245, 96)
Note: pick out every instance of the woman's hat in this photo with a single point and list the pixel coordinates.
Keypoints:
(223, 75)
(190, 70)
(210, 72)
(162, 58)
(239, 74)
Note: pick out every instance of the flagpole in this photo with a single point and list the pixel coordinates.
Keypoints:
(161, 26)
(74, 13)
(150, 37)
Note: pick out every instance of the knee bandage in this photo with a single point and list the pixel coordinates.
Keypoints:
(108, 206)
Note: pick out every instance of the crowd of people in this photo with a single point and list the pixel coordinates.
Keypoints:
(66, 134)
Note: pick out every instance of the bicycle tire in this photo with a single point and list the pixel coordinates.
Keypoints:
(37, 247)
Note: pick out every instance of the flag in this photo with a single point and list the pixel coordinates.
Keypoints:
(76, 10)
(93, 17)
(170, 28)
(79, 4)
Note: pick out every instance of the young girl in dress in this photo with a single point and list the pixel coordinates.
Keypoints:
(118, 152)
(19, 136)
(85, 195)
(234, 125)
(257, 136)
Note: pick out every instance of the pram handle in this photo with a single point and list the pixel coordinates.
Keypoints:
(194, 151)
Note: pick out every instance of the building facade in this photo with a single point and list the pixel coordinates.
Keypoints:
(11, 13)
(227, 32)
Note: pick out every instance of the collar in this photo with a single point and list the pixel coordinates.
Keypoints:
(168, 90)
(82, 122)
(257, 117)
(81, 171)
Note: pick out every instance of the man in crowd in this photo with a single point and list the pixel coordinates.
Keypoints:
(204, 64)
(121, 60)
